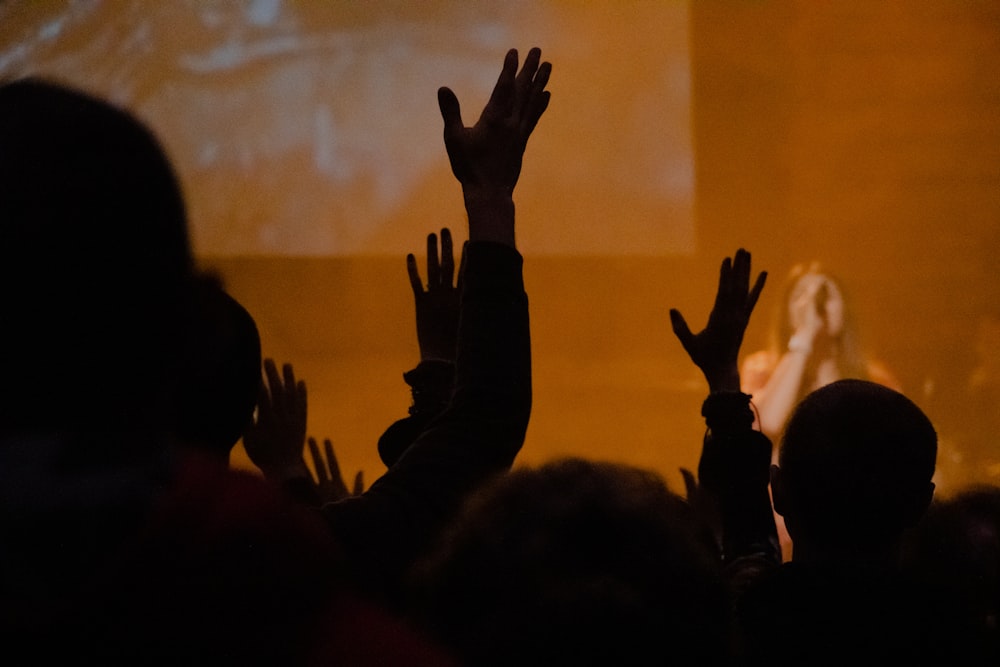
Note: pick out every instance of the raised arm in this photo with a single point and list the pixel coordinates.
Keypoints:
(777, 390)
(432, 381)
(486, 158)
(482, 429)
(735, 461)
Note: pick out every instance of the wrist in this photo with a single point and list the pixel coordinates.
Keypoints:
(279, 474)
(801, 341)
(491, 214)
(727, 381)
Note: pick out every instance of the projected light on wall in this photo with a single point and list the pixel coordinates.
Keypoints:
(304, 128)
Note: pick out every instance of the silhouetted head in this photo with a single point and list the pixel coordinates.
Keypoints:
(96, 267)
(577, 563)
(856, 463)
(216, 403)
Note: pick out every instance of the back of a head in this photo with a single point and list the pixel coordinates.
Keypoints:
(856, 464)
(95, 261)
(216, 403)
(577, 563)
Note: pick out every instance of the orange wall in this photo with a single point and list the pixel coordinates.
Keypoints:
(862, 134)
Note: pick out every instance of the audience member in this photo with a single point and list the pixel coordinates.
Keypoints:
(120, 543)
(576, 563)
(732, 485)
(814, 341)
(216, 404)
(482, 428)
(954, 554)
(854, 474)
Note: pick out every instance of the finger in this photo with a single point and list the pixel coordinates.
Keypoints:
(447, 258)
(263, 412)
(302, 407)
(534, 112)
(331, 458)
(680, 327)
(336, 479)
(359, 483)
(317, 460)
(525, 78)
(289, 375)
(725, 284)
(741, 272)
(411, 270)
(502, 98)
(538, 97)
(273, 379)
(289, 389)
(433, 263)
(755, 292)
(451, 112)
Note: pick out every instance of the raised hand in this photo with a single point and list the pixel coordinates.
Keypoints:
(489, 153)
(437, 306)
(329, 482)
(716, 348)
(275, 439)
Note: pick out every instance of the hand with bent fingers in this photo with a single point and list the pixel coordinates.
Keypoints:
(275, 439)
(489, 153)
(715, 349)
(437, 306)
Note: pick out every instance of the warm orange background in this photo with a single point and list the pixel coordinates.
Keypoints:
(862, 134)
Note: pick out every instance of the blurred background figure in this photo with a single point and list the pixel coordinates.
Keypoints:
(814, 341)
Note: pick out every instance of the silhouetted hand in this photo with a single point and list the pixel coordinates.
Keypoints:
(275, 440)
(437, 306)
(716, 348)
(329, 482)
(489, 153)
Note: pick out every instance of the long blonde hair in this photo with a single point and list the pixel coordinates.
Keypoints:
(850, 359)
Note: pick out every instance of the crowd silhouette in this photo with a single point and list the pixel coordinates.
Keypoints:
(126, 537)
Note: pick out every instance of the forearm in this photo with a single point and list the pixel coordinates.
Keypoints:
(477, 436)
(734, 471)
(779, 395)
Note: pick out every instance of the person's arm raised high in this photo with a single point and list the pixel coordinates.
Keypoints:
(735, 461)
(480, 432)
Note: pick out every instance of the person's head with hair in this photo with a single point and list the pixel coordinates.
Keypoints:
(854, 470)
(811, 286)
(216, 401)
(580, 563)
(96, 267)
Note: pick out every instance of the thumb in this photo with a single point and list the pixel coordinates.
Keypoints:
(680, 327)
(451, 111)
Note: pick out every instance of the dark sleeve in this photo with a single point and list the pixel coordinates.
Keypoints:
(476, 437)
(431, 385)
(734, 471)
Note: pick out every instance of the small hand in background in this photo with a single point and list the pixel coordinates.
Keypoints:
(275, 439)
(716, 348)
(329, 482)
(437, 306)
